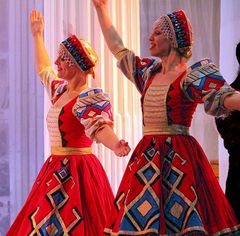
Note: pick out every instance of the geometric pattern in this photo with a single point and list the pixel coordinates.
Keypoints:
(60, 122)
(53, 223)
(77, 49)
(142, 214)
(182, 28)
(150, 152)
(202, 77)
(143, 77)
(62, 174)
(92, 103)
(169, 108)
(156, 197)
(142, 65)
(57, 88)
(93, 109)
(180, 212)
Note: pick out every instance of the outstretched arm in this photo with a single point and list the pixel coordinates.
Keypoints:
(40, 53)
(109, 139)
(111, 36)
(232, 102)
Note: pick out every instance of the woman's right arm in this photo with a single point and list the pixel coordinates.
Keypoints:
(132, 66)
(110, 34)
(40, 53)
(49, 79)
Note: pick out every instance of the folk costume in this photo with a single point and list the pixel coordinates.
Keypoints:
(71, 194)
(168, 187)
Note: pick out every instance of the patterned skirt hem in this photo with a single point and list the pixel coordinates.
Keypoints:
(196, 231)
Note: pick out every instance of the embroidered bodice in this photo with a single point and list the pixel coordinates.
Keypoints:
(168, 109)
(75, 123)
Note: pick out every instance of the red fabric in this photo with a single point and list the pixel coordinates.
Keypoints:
(169, 187)
(87, 191)
(180, 110)
(72, 131)
(196, 184)
(71, 194)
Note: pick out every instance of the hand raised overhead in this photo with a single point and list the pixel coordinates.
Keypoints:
(99, 3)
(36, 23)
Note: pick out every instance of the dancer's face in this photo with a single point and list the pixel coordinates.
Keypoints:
(65, 70)
(159, 45)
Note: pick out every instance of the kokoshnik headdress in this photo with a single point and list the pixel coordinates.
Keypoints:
(78, 51)
(177, 28)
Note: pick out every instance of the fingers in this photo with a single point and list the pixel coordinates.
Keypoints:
(36, 16)
(124, 153)
(123, 142)
(127, 150)
(32, 15)
(123, 149)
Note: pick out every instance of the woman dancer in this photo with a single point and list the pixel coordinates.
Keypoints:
(169, 187)
(71, 195)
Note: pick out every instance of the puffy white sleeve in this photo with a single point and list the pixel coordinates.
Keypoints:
(205, 84)
(94, 111)
(52, 84)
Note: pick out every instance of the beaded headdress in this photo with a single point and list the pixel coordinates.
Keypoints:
(78, 51)
(177, 28)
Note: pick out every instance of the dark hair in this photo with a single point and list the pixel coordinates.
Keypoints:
(236, 83)
(238, 52)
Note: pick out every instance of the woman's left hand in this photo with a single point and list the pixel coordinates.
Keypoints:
(122, 148)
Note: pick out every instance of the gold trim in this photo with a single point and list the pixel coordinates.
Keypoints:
(167, 130)
(70, 151)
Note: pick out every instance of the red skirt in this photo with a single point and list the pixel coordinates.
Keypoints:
(169, 188)
(71, 196)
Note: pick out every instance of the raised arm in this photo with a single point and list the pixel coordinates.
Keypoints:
(111, 36)
(40, 53)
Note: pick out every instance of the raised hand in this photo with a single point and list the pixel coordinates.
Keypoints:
(99, 3)
(36, 23)
(122, 148)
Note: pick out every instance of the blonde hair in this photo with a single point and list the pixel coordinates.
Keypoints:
(185, 52)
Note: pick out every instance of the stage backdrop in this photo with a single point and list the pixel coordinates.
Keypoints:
(21, 109)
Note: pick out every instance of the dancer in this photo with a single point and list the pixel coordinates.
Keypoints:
(71, 195)
(169, 187)
(229, 129)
